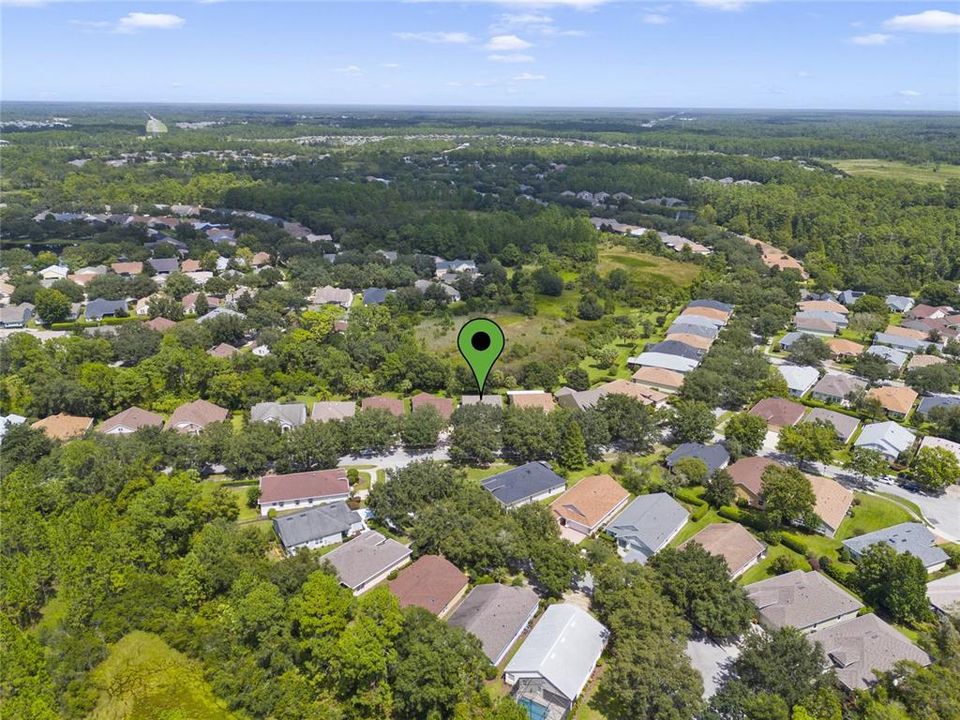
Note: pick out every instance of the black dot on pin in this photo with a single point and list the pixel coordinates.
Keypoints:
(480, 341)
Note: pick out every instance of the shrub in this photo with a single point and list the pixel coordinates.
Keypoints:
(783, 565)
(794, 544)
(699, 513)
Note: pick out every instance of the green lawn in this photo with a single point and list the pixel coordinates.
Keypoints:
(873, 513)
(761, 571)
(692, 528)
(476, 474)
(613, 257)
(895, 170)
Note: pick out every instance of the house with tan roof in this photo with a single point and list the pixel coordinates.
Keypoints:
(661, 379)
(695, 341)
(833, 503)
(841, 348)
(822, 306)
(778, 412)
(931, 442)
(329, 295)
(747, 476)
(63, 427)
(731, 541)
(837, 387)
(126, 269)
(922, 361)
(808, 601)
(910, 333)
(443, 406)
(129, 421)
(431, 582)
(192, 417)
(588, 505)
(896, 401)
(712, 313)
(394, 406)
(815, 326)
(295, 491)
(367, 560)
(526, 399)
(190, 266)
(326, 410)
(160, 324)
(223, 350)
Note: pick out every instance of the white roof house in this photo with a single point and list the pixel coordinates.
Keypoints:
(665, 361)
(561, 651)
(934, 442)
(887, 437)
(800, 378)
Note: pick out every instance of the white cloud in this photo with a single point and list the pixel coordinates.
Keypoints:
(510, 58)
(455, 83)
(349, 70)
(437, 38)
(527, 77)
(655, 19)
(928, 21)
(390, 65)
(137, 21)
(507, 43)
(909, 93)
(726, 5)
(804, 73)
(531, 22)
(871, 39)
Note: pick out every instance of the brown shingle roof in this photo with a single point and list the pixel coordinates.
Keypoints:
(590, 500)
(314, 484)
(842, 346)
(432, 582)
(906, 332)
(132, 418)
(922, 361)
(443, 406)
(381, 402)
(748, 472)
(822, 306)
(533, 399)
(333, 410)
(646, 395)
(190, 266)
(894, 399)
(706, 312)
(778, 412)
(196, 415)
(833, 500)
(160, 324)
(658, 376)
(223, 350)
(127, 268)
(696, 341)
(730, 541)
(63, 427)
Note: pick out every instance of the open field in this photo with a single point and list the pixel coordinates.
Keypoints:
(873, 513)
(617, 256)
(894, 170)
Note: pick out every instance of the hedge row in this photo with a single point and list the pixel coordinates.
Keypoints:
(80, 324)
(687, 495)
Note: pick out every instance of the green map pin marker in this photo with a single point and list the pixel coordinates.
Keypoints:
(480, 342)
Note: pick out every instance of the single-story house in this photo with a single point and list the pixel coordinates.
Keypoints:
(326, 410)
(833, 503)
(496, 615)
(160, 324)
(367, 560)
(585, 399)
(221, 311)
(778, 412)
(589, 504)
(127, 269)
(555, 661)
(909, 537)
(723, 307)
(934, 442)
(747, 476)
(528, 483)
(899, 303)
(715, 457)
(944, 595)
(491, 399)
(668, 381)
(845, 425)
(526, 399)
(837, 387)
(787, 341)
(896, 401)
(907, 332)
(286, 415)
(329, 295)
(849, 297)
(894, 357)
(689, 339)
(98, 309)
(443, 406)
(317, 527)
(192, 417)
(681, 327)
(375, 296)
(394, 406)
(827, 306)
(189, 302)
(807, 601)
(718, 317)
(860, 647)
(731, 541)
(451, 292)
(929, 402)
(672, 347)
(63, 427)
(129, 421)
(164, 266)
(303, 489)
(190, 266)
(16, 316)
(841, 348)
(922, 361)
(431, 582)
(223, 350)
(835, 318)
(665, 361)
(54, 273)
(646, 526)
(887, 437)
(929, 312)
(815, 326)
(900, 343)
(799, 378)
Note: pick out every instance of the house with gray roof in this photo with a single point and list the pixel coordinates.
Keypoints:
(367, 560)
(675, 347)
(712, 304)
(837, 318)
(496, 615)
(836, 387)
(799, 378)
(317, 526)
(375, 296)
(286, 415)
(555, 662)
(525, 484)
(98, 309)
(899, 303)
(646, 526)
(164, 266)
(787, 341)
(702, 320)
(859, 648)
(944, 595)
(900, 342)
(491, 399)
(894, 357)
(221, 311)
(849, 297)
(930, 402)
(680, 327)
(662, 360)
(715, 457)
(807, 601)
(845, 425)
(16, 316)
(909, 537)
(886, 437)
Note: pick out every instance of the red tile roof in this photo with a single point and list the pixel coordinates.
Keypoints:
(303, 485)
(432, 582)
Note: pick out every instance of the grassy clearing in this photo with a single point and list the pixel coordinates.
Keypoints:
(144, 678)
(615, 257)
(894, 170)
(873, 513)
(761, 571)
(692, 528)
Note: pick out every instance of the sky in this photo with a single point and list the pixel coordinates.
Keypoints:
(857, 55)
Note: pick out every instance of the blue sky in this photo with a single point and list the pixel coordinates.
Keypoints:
(697, 53)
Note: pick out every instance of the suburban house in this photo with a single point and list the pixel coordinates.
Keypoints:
(944, 595)
(286, 415)
(496, 615)
(715, 457)
(828, 306)
(223, 350)
(778, 412)
(98, 309)
(189, 302)
(900, 343)
(63, 427)
(837, 387)
(717, 317)
(431, 582)
(192, 417)
(845, 425)
(929, 312)
(843, 349)
(899, 303)
(555, 661)
(929, 402)
(676, 363)
(443, 406)
(317, 527)
(788, 340)
(695, 341)
(528, 483)
(833, 503)
(807, 601)
(394, 406)
(302, 489)
(367, 560)
(860, 647)
(934, 442)
(221, 311)
(896, 401)
(646, 526)
(526, 399)
(894, 357)
(693, 328)
(723, 307)
(731, 541)
(491, 399)
(747, 476)
(588, 505)
(585, 399)
(164, 266)
(159, 324)
(799, 378)
(837, 319)
(327, 410)
(375, 296)
(922, 361)
(906, 332)
(329, 295)
(16, 316)
(887, 437)
(673, 347)
(129, 421)
(815, 326)
(54, 273)
(849, 297)
(909, 537)
(668, 381)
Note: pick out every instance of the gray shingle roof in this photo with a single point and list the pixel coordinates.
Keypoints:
(495, 614)
(524, 482)
(891, 355)
(647, 524)
(714, 304)
(674, 347)
(908, 537)
(366, 556)
(933, 401)
(888, 437)
(375, 296)
(294, 414)
(314, 524)
(97, 309)
(800, 599)
(845, 425)
(715, 456)
(707, 331)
